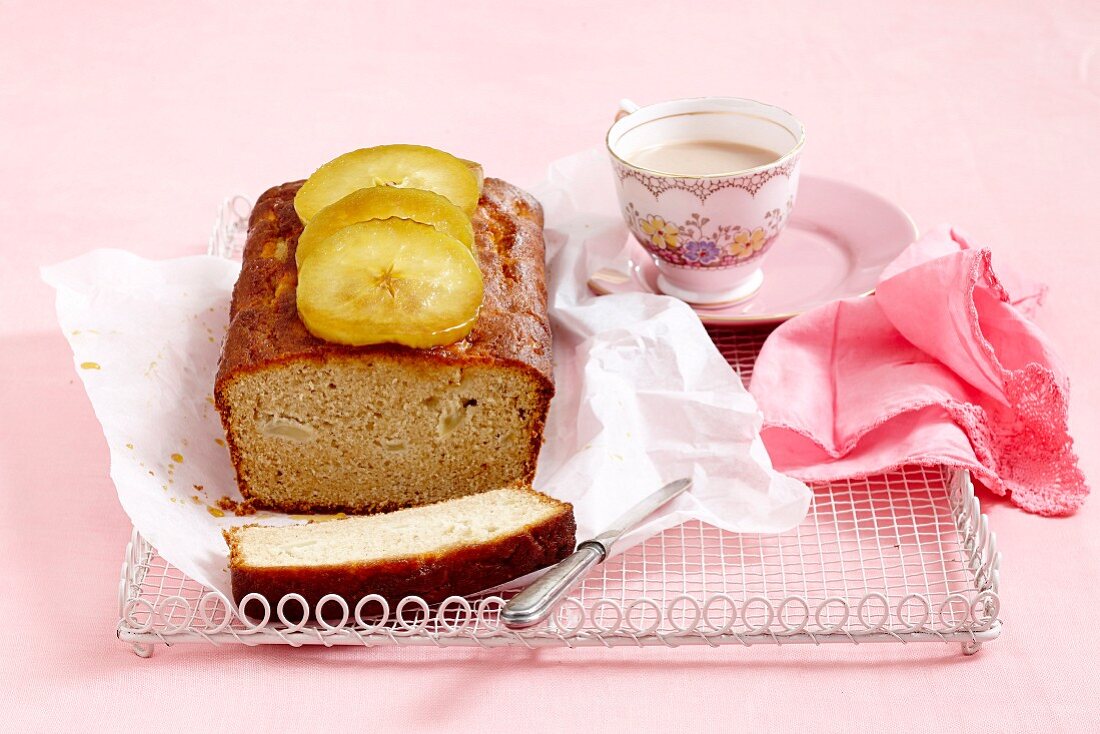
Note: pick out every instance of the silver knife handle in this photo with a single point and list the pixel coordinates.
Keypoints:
(534, 604)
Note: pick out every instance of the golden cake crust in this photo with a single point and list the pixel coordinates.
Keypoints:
(512, 325)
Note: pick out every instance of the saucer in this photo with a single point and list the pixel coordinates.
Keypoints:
(838, 241)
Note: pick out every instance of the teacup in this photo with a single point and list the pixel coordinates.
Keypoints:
(706, 185)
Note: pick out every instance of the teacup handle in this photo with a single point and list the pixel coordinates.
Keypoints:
(626, 106)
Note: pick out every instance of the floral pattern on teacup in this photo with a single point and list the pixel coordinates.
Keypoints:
(661, 234)
(697, 243)
(703, 252)
(746, 243)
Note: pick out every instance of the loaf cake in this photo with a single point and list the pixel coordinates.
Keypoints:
(314, 426)
(454, 547)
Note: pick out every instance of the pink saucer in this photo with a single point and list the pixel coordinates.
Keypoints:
(839, 239)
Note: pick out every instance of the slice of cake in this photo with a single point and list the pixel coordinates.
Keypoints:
(456, 547)
(316, 426)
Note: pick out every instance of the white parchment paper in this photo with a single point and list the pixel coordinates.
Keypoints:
(643, 396)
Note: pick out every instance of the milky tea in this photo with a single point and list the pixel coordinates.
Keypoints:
(702, 157)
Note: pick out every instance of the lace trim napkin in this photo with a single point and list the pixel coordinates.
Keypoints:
(940, 366)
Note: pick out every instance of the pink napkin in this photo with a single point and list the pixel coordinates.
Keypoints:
(940, 366)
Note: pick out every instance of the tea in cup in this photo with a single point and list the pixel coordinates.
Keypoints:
(706, 185)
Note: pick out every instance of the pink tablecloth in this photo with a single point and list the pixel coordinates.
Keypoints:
(124, 129)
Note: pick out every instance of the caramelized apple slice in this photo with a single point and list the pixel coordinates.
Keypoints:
(478, 172)
(401, 166)
(390, 280)
(383, 202)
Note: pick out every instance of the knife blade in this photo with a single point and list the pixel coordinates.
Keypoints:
(534, 604)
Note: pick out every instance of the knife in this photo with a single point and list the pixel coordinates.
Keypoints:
(534, 604)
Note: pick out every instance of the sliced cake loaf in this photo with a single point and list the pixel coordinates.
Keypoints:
(314, 426)
(456, 547)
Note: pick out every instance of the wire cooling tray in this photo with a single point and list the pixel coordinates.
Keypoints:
(904, 557)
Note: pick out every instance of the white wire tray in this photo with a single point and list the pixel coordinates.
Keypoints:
(904, 557)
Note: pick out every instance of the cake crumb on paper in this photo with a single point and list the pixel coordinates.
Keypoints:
(240, 509)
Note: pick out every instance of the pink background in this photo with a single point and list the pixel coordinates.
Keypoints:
(125, 128)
